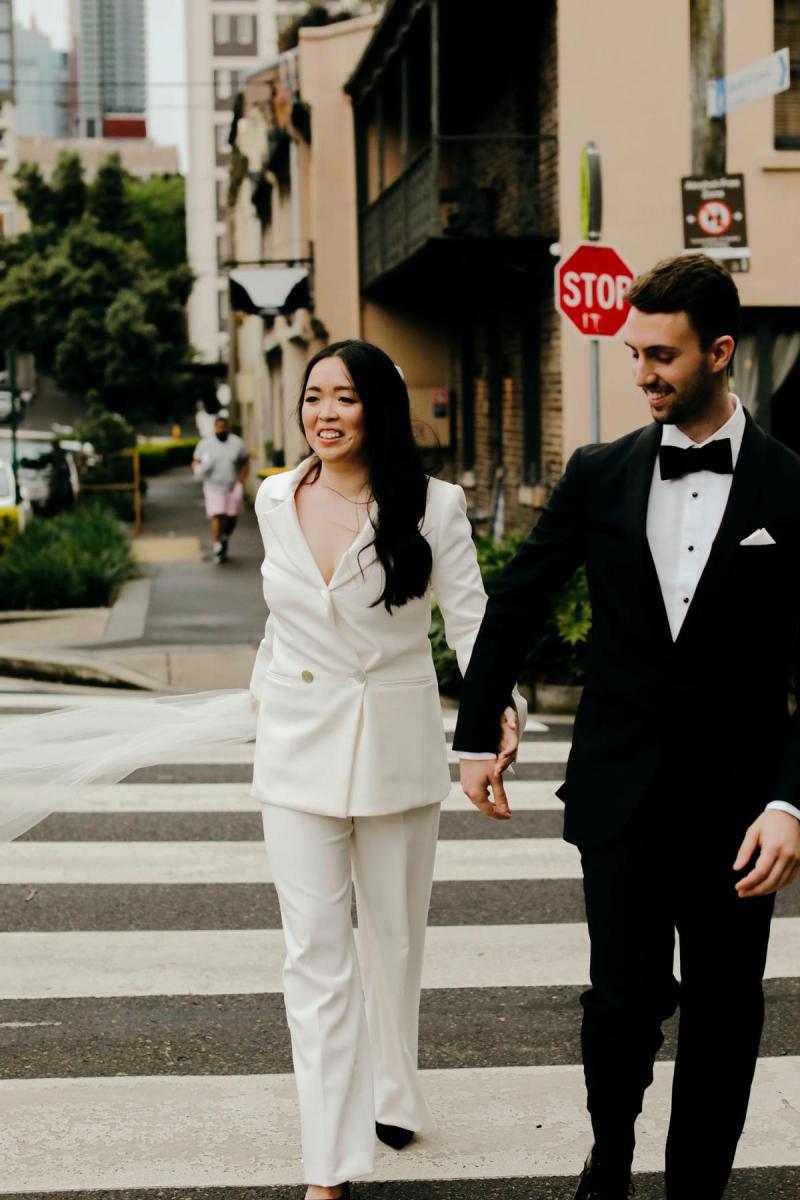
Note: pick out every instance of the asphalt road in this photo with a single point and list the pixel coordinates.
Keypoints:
(124, 989)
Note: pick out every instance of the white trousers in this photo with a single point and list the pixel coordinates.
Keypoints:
(353, 1010)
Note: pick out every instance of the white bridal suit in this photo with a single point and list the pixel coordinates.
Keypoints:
(351, 767)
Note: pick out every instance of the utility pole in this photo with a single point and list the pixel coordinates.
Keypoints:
(12, 387)
(707, 50)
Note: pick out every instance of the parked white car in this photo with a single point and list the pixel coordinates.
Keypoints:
(8, 500)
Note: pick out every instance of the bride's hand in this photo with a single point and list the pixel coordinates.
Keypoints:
(509, 739)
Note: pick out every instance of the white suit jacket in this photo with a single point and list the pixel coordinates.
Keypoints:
(349, 720)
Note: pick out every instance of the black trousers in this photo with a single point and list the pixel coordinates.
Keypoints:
(672, 871)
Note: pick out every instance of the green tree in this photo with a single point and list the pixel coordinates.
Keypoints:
(34, 194)
(101, 308)
(160, 203)
(68, 189)
(110, 200)
(97, 314)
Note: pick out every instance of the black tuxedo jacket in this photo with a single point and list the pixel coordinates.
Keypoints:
(704, 718)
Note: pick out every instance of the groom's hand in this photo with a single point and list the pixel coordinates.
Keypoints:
(775, 835)
(482, 781)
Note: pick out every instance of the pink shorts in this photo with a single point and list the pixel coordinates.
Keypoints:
(224, 504)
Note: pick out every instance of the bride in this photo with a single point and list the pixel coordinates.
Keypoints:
(350, 757)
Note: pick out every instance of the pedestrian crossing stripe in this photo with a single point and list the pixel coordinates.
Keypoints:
(249, 961)
(528, 795)
(170, 1132)
(245, 862)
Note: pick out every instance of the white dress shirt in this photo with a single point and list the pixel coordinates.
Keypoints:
(683, 518)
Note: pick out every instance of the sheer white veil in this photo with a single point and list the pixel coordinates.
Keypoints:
(46, 759)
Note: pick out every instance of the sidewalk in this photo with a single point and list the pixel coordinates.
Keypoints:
(185, 625)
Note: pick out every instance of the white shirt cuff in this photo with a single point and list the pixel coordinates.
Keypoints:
(474, 755)
(784, 806)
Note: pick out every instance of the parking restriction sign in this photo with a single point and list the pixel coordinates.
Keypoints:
(714, 219)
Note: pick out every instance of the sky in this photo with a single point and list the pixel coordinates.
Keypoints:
(166, 61)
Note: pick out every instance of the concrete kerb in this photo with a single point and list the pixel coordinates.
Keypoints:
(63, 666)
(66, 664)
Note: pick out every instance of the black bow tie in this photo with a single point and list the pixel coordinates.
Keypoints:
(716, 456)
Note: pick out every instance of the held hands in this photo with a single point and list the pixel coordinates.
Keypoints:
(775, 835)
(482, 780)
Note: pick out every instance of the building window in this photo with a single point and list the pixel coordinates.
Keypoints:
(5, 16)
(227, 83)
(222, 248)
(245, 30)
(223, 84)
(222, 30)
(222, 143)
(222, 310)
(222, 198)
(787, 104)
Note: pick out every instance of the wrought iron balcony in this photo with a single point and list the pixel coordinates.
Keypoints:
(461, 188)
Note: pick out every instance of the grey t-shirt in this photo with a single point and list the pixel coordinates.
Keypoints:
(220, 462)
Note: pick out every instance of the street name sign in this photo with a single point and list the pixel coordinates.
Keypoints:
(592, 282)
(766, 77)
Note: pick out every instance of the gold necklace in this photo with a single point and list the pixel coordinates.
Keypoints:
(359, 503)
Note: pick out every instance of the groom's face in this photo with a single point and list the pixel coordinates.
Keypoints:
(669, 365)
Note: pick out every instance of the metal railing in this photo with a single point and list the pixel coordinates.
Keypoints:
(462, 187)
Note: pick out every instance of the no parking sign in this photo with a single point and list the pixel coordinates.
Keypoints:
(714, 218)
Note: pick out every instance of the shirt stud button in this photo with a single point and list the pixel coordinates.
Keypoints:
(695, 495)
(307, 676)
(691, 547)
(685, 599)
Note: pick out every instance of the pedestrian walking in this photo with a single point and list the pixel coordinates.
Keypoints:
(687, 816)
(222, 462)
(351, 763)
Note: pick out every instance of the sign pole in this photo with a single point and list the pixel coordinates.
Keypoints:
(592, 221)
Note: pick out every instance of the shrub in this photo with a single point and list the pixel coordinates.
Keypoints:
(9, 528)
(558, 654)
(155, 457)
(107, 431)
(79, 559)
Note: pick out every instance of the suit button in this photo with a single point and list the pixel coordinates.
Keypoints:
(360, 677)
(307, 677)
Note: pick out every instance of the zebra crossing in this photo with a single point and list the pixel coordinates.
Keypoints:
(145, 1052)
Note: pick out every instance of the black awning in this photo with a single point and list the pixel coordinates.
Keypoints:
(269, 291)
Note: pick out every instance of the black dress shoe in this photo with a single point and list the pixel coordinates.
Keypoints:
(393, 1135)
(592, 1186)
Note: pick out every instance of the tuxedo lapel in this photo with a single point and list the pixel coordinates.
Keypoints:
(737, 521)
(646, 598)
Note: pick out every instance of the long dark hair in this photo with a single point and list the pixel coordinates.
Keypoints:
(397, 476)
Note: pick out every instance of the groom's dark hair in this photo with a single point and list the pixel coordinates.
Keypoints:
(694, 284)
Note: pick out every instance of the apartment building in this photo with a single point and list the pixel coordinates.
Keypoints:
(294, 284)
(226, 40)
(8, 157)
(456, 133)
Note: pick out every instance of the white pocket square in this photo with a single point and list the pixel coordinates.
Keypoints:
(760, 538)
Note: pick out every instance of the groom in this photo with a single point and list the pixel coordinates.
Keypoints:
(682, 789)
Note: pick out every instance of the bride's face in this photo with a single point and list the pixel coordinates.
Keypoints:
(333, 414)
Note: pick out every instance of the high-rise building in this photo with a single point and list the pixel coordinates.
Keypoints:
(42, 83)
(108, 68)
(226, 40)
(7, 119)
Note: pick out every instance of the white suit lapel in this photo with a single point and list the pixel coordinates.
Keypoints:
(282, 522)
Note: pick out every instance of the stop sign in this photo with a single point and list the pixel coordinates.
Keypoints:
(591, 285)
